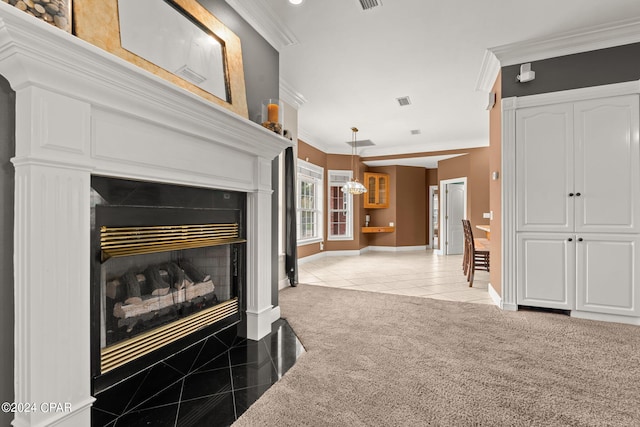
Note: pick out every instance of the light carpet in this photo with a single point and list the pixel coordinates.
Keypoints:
(390, 360)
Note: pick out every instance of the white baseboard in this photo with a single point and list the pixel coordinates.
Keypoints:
(497, 299)
(397, 248)
(275, 313)
(310, 258)
(603, 317)
(354, 252)
(283, 283)
(324, 254)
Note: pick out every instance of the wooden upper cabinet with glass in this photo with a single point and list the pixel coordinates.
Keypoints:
(378, 193)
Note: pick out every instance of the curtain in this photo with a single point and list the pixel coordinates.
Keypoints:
(291, 243)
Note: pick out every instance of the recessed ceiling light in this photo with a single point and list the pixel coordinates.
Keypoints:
(403, 101)
(296, 2)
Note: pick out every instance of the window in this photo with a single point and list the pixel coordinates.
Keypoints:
(340, 216)
(310, 187)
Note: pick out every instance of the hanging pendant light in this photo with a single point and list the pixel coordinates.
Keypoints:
(354, 186)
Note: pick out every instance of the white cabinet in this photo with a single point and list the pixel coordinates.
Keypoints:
(546, 270)
(607, 277)
(578, 166)
(577, 205)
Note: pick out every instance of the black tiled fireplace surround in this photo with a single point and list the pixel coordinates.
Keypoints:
(208, 384)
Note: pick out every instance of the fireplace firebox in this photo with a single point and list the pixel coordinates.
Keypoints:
(167, 271)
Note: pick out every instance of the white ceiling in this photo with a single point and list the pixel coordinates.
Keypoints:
(347, 66)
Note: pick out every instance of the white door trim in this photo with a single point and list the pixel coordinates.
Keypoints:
(443, 199)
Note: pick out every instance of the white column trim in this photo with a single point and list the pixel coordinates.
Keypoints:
(509, 296)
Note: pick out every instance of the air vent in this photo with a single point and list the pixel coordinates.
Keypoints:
(403, 101)
(369, 4)
(416, 132)
(362, 143)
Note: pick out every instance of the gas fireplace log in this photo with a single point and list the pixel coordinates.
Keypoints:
(154, 303)
(116, 291)
(133, 289)
(176, 275)
(193, 273)
(131, 322)
(155, 280)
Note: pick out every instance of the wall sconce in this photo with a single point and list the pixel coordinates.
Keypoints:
(526, 75)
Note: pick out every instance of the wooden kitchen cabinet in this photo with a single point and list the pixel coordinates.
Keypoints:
(378, 192)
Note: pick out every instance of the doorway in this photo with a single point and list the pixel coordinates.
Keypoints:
(434, 217)
(453, 206)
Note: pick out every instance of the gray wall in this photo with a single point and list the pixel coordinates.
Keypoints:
(7, 150)
(595, 68)
(262, 81)
(260, 59)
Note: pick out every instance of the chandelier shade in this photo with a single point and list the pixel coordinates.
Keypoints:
(354, 186)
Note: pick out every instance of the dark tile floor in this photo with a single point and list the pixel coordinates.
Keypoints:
(216, 393)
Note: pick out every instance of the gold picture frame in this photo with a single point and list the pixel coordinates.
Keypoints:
(97, 22)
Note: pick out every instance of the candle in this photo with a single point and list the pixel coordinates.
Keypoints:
(272, 113)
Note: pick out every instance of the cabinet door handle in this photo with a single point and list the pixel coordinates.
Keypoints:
(570, 239)
(579, 239)
(578, 194)
(570, 194)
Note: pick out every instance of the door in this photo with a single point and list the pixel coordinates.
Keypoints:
(607, 278)
(454, 216)
(434, 207)
(546, 270)
(544, 168)
(607, 177)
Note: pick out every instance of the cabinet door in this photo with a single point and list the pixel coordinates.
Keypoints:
(607, 165)
(546, 270)
(383, 191)
(607, 279)
(544, 168)
(378, 191)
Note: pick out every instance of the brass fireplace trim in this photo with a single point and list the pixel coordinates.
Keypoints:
(125, 351)
(125, 241)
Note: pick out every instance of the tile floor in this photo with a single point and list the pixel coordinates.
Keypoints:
(202, 387)
(416, 273)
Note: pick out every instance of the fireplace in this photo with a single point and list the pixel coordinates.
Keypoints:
(168, 268)
(82, 113)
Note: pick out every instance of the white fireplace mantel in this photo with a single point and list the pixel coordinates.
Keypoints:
(81, 111)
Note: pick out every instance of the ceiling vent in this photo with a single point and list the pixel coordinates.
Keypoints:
(369, 4)
(416, 132)
(403, 101)
(362, 143)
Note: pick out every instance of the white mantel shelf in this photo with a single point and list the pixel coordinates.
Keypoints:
(81, 111)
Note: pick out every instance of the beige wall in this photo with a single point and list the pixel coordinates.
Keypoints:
(475, 167)
(411, 206)
(495, 198)
(409, 193)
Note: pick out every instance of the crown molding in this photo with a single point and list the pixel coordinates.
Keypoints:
(264, 20)
(583, 40)
(308, 139)
(488, 72)
(290, 95)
